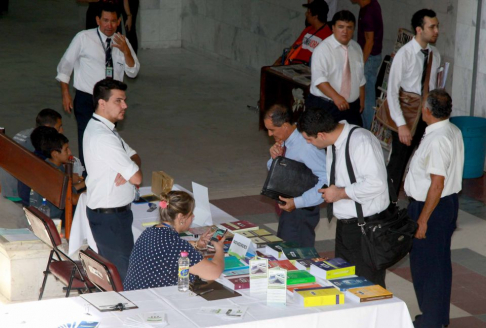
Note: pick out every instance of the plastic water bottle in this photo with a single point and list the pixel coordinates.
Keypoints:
(183, 284)
(32, 199)
(44, 208)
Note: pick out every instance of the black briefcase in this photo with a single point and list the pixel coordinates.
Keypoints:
(288, 178)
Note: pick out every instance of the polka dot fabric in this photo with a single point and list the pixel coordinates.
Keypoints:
(153, 262)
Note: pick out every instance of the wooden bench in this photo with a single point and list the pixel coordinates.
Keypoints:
(46, 180)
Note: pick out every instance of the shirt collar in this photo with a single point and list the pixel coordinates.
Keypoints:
(292, 138)
(436, 126)
(417, 47)
(343, 136)
(336, 43)
(103, 37)
(105, 121)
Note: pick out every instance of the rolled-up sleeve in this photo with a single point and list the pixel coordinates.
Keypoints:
(68, 60)
(314, 159)
(320, 65)
(132, 71)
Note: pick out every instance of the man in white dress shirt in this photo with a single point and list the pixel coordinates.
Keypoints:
(114, 171)
(407, 72)
(432, 183)
(94, 55)
(370, 190)
(338, 82)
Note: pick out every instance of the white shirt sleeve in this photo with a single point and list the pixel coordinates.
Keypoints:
(394, 80)
(132, 71)
(320, 65)
(116, 157)
(369, 169)
(68, 60)
(438, 160)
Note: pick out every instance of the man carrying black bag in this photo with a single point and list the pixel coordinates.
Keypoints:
(300, 215)
(432, 183)
(370, 190)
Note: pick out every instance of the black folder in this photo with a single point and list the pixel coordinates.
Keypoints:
(288, 178)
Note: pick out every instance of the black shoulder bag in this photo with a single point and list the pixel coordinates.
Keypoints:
(387, 240)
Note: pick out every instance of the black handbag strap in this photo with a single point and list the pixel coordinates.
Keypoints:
(352, 178)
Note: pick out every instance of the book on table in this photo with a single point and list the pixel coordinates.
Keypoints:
(296, 253)
(291, 288)
(343, 284)
(318, 296)
(284, 264)
(368, 294)
(233, 263)
(263, 241)
(304, 264)
(237, 282)
(332, 268)
(239, 226)
(236, 272)
(255, 233)
(276, 249)
(299, 277)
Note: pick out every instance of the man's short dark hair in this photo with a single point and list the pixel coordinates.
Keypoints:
(315, 120)
(439, 102)
(47, 117)
(345, 16)
(102, 89)
(110, 7)
(279, 114)
(39, 135)
(319, 8)
(418, 18)
(53, 142)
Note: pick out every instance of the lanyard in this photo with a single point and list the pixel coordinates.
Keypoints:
(96, 119)
(307, 40)
(103, 44)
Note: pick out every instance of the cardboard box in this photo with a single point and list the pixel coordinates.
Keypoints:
(162, 183)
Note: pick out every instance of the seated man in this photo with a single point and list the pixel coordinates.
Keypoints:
(11, 187)
(316, 31)
(54, 147)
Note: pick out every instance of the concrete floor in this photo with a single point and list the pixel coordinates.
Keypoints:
(187, 114)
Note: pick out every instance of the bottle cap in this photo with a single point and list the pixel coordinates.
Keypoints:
(184, 254)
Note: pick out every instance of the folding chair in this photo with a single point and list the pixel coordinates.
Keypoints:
(69, 272)
(101, 272)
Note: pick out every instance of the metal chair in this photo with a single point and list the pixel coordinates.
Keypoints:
(69, 272)
(101, 272)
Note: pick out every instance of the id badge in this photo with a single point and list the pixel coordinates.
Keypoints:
(109, 72)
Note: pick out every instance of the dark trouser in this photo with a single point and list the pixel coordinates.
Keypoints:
(83, 111)
(351, 115)
(299, 226)
(401, 154)
(114, 238)
(430, 262)
(348, 247)
(132, 34)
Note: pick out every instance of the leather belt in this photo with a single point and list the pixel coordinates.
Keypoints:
(113, 209)
(366, 218)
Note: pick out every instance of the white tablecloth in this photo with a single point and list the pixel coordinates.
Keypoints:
(81, 232)
(182, 311)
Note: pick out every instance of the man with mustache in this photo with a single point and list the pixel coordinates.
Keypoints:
(408, 73)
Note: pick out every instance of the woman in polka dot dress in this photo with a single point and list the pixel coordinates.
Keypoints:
(153, 262)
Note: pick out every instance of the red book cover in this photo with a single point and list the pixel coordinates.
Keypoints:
(284, 264)
(240, 282)
(239, 225)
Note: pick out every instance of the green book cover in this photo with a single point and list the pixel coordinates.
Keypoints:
(299, 277)
(300, 253)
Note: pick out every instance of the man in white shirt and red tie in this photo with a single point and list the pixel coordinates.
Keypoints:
(94, 55)
(338, 82)
(370, 190)
(407, 72)
(432, 183)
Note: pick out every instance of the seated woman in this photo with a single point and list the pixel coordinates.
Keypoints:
(154, 259)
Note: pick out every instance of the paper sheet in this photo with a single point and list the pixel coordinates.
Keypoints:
(202, 212)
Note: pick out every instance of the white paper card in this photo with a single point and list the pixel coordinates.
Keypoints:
(258, 276)
(240, 246)
(202, 212)
(233, 313)
(277, 286)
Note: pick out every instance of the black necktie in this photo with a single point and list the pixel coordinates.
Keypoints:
(332, 181)
(426, 61)
(108, 58)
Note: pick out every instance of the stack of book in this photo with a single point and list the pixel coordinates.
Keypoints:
(332, 268)
(318, 296)
(260, 237)
(239, 226)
